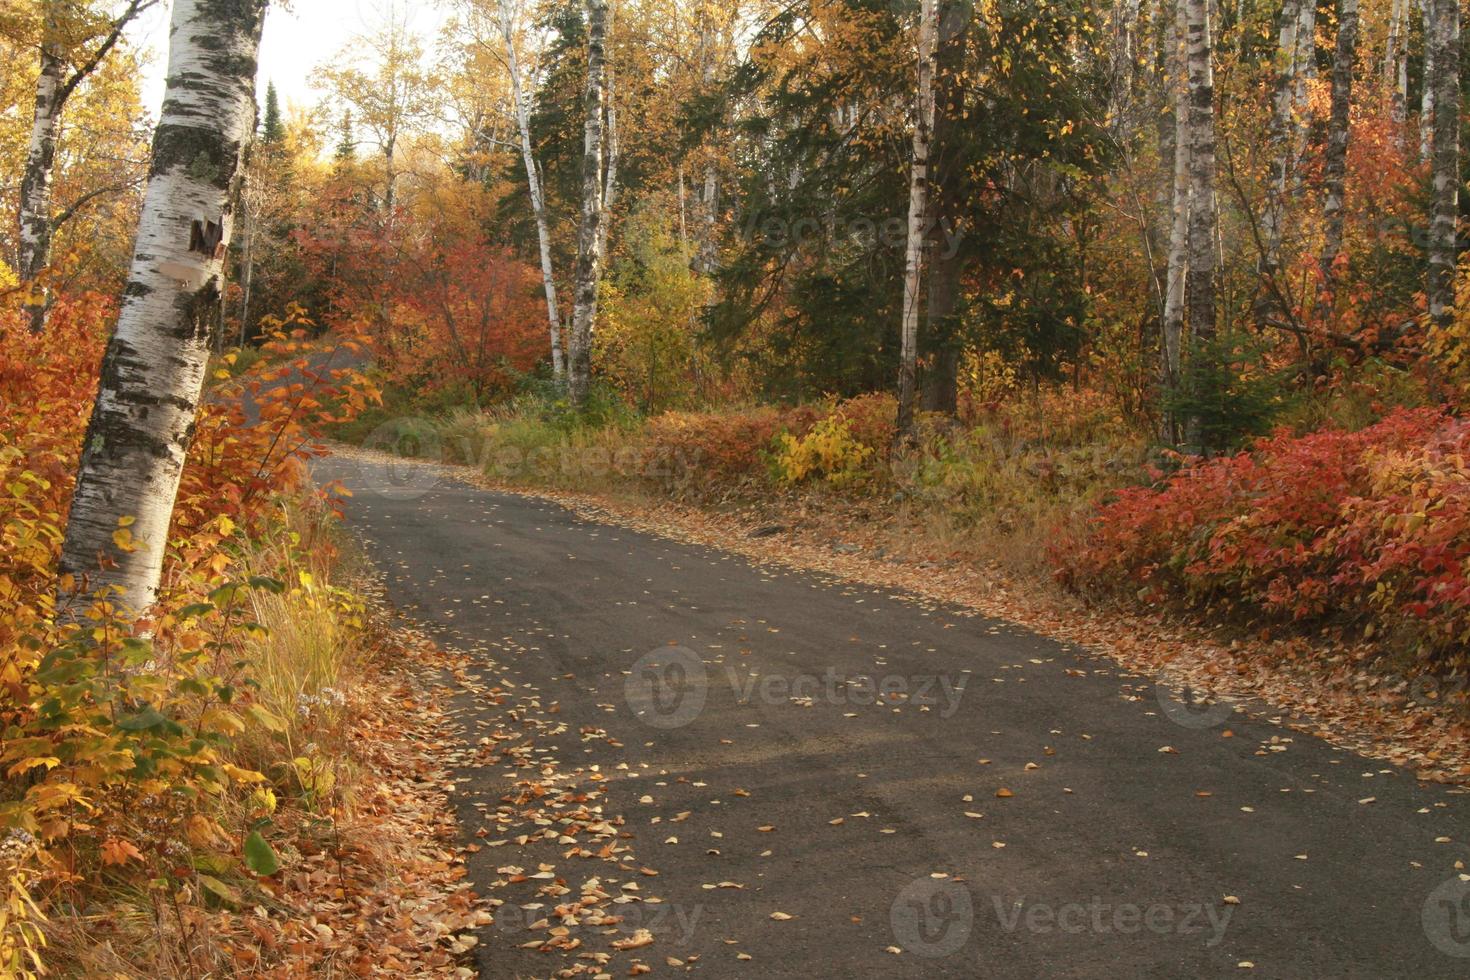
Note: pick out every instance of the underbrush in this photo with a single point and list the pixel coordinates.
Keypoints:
(156, 777)
(988, 487)
(1367, 531)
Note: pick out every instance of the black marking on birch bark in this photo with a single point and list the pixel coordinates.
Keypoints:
(198, 310)
(207, 156)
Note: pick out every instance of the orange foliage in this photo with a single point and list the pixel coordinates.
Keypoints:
(95, 718)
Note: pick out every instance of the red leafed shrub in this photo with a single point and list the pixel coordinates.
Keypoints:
(710, 451)
(871, 419)
(1369, 527)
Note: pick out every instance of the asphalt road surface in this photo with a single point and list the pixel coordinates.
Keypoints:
(930, 793)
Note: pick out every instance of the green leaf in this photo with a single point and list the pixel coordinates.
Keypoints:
(259, 857)
(227, 894)
(224, 596)
(142, 721)
(266, 719)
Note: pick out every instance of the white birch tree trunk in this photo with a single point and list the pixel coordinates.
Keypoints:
(1443, 226)
(1173, 324)
(1284, 110)
(683, 223)
(533, 180)
(1393, 59)
(1199, 279)
(1426, 97)
(589, 236)
(154, 368)
(54, 86)
(1303, 71)
(1334, 170)
(610, 166)
(709, 198)
(247, 265)
(35, 188)
(918, 213)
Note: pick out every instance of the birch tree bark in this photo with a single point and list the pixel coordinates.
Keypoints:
(1426, 95)
(1284, 110)
(1173, 323)
(1393, 60)
(1334, 167)
(54, 86)
(1443, 226)
(153, 371)
(589, 235)
(533, 180)
(610, 164)
(1199, 279)
(918, 214)
(35, 187)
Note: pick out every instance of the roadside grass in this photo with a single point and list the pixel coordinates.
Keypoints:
(985, 489)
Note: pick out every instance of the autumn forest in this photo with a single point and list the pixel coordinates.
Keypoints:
(828, 487)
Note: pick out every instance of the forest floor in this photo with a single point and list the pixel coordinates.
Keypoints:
(707, 742)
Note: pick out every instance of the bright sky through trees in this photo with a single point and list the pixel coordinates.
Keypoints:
(296, 40)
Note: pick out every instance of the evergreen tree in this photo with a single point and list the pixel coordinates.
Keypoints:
(272, 130)
(346, 145)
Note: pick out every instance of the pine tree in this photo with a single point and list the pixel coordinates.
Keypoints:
(272, 130)
(346, 144)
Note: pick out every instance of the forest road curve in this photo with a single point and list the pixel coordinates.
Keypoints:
(831, 780)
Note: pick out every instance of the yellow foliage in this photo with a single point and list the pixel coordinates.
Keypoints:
(828, 452)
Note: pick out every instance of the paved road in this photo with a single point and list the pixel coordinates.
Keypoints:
(1130, 817)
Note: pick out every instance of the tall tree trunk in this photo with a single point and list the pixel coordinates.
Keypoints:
(941, 378)
(390, 177)
(1283, 123)
(710, 201)
(610, 165)
(1334, 168)
(247, 265)
(683, 223)
(35, 187)
(1304, 71)
(153, 371)
(1426, 94)
(1393, 59)
(939, 383)
(538, 198)
(589, 237)
(918, 218)
(1443, 227)
(1199, 280)
(1173, 322)
(53, 88)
